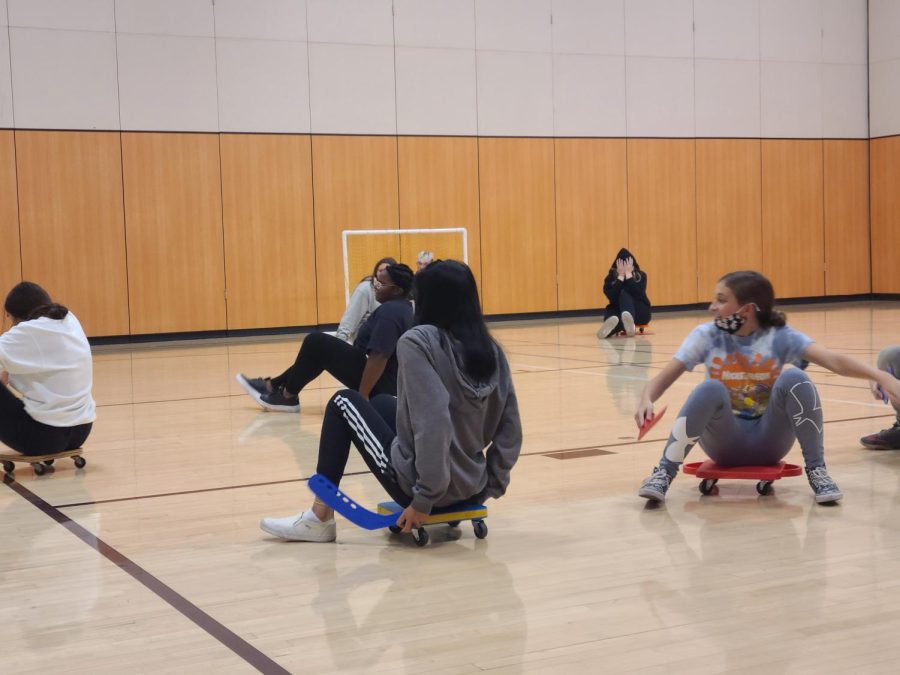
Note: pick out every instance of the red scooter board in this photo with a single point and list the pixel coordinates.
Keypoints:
(710, 473)
(649, 424)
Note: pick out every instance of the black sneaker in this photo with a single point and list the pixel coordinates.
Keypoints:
(825, 488)
(279, 402)
(255, 386)
(886, 439)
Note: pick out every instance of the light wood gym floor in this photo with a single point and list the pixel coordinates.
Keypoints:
(150, 560)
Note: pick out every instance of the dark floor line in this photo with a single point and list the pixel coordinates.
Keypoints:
(620, 442)
(201, 619)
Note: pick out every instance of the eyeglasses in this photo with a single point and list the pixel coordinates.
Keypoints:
(378, 284)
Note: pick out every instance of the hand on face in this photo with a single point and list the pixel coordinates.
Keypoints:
(629, 265)
(620, 267)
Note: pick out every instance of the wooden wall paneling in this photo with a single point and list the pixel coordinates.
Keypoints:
(793, 217)
(173, 221)
(355, 187)
(591, 216)
(518, 229)
(439, 188)
(847, 242)
(662, 217)
(267, 208)
(885, 176)
(72, 223)
(729, 210)
(11, 270)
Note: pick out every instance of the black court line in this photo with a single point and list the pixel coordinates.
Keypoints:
(620, 442)
(201, 619)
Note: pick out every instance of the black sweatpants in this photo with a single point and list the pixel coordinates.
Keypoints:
(371, 425)
(21, 432)
(626, 303)
(320, 353)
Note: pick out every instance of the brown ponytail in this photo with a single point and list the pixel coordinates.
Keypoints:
(27, 301)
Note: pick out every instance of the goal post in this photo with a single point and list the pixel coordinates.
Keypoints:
(362, 248)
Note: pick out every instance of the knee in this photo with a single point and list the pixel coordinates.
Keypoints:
(340, 399)
(890, 358)
(713, 389)
(791, 377)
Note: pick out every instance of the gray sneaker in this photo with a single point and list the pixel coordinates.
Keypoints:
(628, 323)
(608, 327)
(655, 485)
(825, 488)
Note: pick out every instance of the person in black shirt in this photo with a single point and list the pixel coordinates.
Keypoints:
(626, 288)
(369, 365)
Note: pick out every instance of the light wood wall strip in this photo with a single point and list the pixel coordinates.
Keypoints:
(267, 207)
(591, 217)
(439, 188)
(355, 187)
(72, 223)
(518, 228)
(885, 214)
(662, 217)
(729, 209)
(11, 270)
(793, 217)
(847, 243)
(173, 220)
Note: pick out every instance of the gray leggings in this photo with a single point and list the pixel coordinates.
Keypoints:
(890, 358)
(794, 413)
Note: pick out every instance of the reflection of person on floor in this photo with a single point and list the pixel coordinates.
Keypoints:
(626, 288)
(46, 357)
(627, 374)
(749, 410)
(369, 365)
(426, 447)
(886, 439)
(362, 303)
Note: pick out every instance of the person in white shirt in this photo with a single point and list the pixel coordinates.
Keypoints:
(45, 356)
(362, 304)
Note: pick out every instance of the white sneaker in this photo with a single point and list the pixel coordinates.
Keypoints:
(628, 322)
(302, 527)
(608, 326)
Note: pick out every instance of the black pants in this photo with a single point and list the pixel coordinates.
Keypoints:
(21, 432)
(371, 426)
(626, 303)
(319, 353)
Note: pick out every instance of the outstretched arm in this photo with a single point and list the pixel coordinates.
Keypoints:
(656, 388)
(844, 365)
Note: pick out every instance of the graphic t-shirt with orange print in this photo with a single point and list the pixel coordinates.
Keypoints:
(747, 366)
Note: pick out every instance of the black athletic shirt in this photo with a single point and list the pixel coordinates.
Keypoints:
(380, 333)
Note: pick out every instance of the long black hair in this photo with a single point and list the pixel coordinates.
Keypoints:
(752, 287)
(447, 297)
(27, 301)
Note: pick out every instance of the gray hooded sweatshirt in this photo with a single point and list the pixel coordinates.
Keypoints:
(456, 439)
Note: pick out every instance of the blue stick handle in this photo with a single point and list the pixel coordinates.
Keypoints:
(329, 493)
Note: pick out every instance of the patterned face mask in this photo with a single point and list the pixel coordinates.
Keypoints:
(731, 324)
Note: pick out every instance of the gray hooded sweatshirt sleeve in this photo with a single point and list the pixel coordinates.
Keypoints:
(456, 439)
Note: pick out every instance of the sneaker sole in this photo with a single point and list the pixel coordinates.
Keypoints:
(826, 499)
(278, 408)
(605, 332)
(267, 530)
(877, 446)
(628, 323)
(652, 495)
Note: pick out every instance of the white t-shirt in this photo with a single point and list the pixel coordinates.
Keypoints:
(49, 363)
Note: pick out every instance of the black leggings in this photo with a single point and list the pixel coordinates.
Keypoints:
(319, 353)
(626, 303)
(371, 426)
(21, 432)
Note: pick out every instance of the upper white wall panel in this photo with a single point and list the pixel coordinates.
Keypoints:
(845, 93)
(790, 30)
(589, 27)
(726, 29)
(513, 25)
(659, 28)
(64, 79)
(727, 98)
(884, 92)
(434, 23)
(436, 91)
(588, 95)
(356, 22)
(7, 118)
(261, 19)
(884, 30)
(659, 97)
(791, 100)
(167, 83)
(515, 94)
(193, 18)
(93, 15)
(845, 31)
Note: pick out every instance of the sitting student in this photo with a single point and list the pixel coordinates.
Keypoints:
(427, 448)
(46, 357)
(362, 304)
(626, 287)
(369, 365)
(886, 439)
(749, 411)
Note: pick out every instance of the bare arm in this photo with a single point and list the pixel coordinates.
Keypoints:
(375, 365)
(844, 365)
(656, 388)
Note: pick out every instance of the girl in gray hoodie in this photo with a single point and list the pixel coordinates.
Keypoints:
(452, 434)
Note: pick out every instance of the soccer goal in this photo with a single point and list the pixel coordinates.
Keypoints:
(363, 247)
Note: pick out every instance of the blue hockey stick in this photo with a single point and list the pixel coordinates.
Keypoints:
(329, 493)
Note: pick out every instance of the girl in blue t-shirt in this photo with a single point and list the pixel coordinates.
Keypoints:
(749, 411)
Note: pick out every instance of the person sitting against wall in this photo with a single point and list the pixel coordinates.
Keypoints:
(626, 288)
(362, 304)
(368, 366)
(45, 356)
